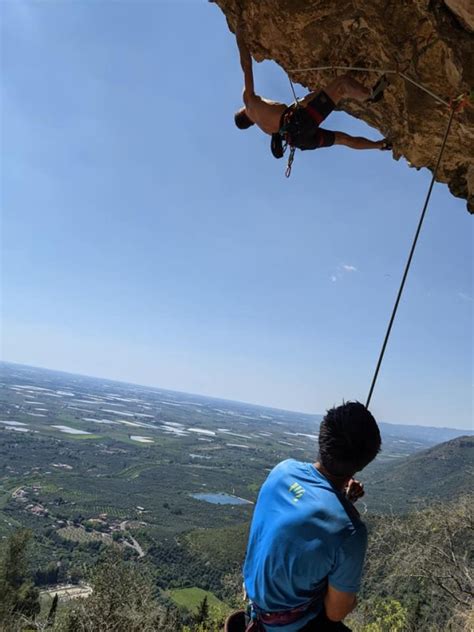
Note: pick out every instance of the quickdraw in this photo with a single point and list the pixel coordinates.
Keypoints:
(459, 103)
(287, 118)
(289, 164)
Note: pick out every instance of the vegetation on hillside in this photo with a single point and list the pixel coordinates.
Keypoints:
(424, 561)
(418, 578)
(442, 472)
(109, 514)
(19, 599)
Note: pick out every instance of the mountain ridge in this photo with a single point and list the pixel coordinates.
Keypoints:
(441, 472)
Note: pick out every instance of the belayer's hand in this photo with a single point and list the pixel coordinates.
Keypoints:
(354, 490)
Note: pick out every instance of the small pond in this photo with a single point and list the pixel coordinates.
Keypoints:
(221, 499)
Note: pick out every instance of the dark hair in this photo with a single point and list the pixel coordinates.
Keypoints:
(242, 120)
(349, 439)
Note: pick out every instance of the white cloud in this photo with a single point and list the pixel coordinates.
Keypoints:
(342, 269)
(465, 297)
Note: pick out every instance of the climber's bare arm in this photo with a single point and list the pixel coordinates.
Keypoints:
(246, 63)
(266, 114)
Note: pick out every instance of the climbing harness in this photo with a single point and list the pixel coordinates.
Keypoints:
(254, 618)
(297, 130)
(454, 105)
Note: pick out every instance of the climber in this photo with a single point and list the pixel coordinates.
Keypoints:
(307, 543)
(298, 124)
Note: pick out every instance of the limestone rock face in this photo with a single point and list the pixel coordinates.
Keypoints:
(430, 41)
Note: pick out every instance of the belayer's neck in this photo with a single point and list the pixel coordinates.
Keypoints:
(339, 482)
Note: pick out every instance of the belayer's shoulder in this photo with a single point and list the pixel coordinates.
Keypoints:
(288, 465)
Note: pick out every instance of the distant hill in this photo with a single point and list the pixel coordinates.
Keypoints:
(439, 473)
(422, 434)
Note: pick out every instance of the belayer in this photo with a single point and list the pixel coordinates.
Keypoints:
(298, 125)
(307, 542)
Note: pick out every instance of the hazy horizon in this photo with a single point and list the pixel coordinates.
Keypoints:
(222, 398)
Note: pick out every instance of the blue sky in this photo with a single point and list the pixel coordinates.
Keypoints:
(145, 238)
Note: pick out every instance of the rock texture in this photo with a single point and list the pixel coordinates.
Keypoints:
(429, 40)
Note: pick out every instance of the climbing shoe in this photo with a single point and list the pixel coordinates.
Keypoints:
(387, 145)
(378, 89)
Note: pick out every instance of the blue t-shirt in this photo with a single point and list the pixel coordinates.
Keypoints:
(304, 533)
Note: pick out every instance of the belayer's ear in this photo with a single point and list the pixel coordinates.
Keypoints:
(277, 145)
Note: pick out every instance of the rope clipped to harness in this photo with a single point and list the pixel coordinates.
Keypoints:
(280, 141)
(291, 156)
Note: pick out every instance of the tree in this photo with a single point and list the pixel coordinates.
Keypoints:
(75, 575)
(436, 549)
(18, 596)
(123, 598)
(384, 615)
(172, 620)
(52, 611)
(202, 614)
(422, 561)
(47, 576)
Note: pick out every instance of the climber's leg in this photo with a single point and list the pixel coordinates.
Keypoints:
(359, 142)
(378, 89)
(346, 87)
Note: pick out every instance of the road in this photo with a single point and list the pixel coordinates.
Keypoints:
(134, 544)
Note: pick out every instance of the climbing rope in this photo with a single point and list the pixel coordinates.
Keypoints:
(455, 105)
(293, 90)
(410, 257)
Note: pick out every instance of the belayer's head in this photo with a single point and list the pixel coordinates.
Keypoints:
(242, 120)
(349, 439)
